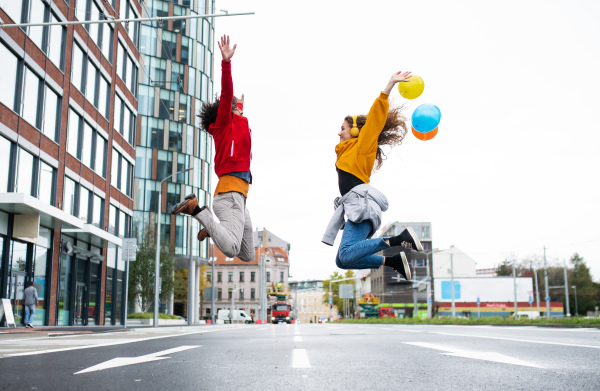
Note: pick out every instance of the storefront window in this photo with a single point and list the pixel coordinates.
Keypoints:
(64, 292)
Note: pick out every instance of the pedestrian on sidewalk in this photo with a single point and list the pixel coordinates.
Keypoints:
(224, 120)
(359, 153)
(30, 300)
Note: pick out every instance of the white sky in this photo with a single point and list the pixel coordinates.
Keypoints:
(515, 164)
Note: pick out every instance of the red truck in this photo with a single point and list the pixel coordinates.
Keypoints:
(280, 312)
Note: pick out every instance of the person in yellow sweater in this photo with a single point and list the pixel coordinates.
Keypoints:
(359, 153)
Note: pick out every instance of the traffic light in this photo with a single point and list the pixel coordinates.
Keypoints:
(364, 277)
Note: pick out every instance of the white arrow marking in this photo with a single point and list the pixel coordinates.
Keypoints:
(487, 356)
(123, 361)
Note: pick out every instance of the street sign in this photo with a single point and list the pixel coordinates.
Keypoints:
(530, 299)
(330, 300)
(129, 249)
(429, 300)
(478, 301)
(346, 291)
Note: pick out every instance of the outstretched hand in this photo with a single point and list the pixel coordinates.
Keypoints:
(226, 51)
(398, 77)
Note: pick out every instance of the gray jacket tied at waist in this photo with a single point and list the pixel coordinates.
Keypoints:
(363, 202)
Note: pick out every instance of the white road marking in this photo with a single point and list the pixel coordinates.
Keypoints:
(486, 356)
(122, 361)
(264, 328)
(300, 359)
(112, 343)
(297, 338)
(521, 340)
(385, 328)
(408, 331)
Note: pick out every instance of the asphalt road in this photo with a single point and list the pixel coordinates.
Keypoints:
(306, 357)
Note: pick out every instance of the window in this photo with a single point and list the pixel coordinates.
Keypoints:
(177, 72)
(200, 57)
(230, 277)
(51, 115)
(92, 74)
(86, 145)
(146, 101)
(5, 162)
(25, 173)
(219, 277)
(241, 276)
(241, 294)
(152, 134)
(164, 164)
(280, 276)
(208, 277)
(143, 162)
(253, 293)
(8, 69)
(185, 50)
(93, 28)
(179, 25)
(37, 10)
(14, 9)
(280, 259)
(30, 101)
(77, 68)
(115, 168)
(169, 45)
(121, 62)
(166, 104)
(84, 200)
(252, 276)
(46, 183)
(185, 106)
(158, 71)
(69, 197)
(107, 40)
(175, 136)
(268, 276)
(100, 158)
(112, 220)
(117, 117)
(104, 98)
(192, 81)
(148, 40)
(56, 44)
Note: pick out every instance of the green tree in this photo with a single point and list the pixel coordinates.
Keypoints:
(181, 286)
(335, 288)
(587, 290)
(142, 270)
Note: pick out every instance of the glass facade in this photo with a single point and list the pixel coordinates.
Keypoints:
(173, 82)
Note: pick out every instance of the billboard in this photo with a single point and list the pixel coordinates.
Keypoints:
(486, 289)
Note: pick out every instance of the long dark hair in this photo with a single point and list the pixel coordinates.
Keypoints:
(208, 112)
(393, 132)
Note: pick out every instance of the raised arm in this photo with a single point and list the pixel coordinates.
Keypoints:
(224, 112)
(398, 77)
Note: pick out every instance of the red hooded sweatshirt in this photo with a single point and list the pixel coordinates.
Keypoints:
(233, 138)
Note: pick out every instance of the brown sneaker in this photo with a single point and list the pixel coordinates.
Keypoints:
(203, 234)
(187, 206)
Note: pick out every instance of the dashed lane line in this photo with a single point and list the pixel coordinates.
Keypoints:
(300, 359)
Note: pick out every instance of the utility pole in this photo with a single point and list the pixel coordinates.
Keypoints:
(546, 282)
(452, 283)
(429, 298)
(537, 289)
(566, 287)
(191, 284)
(515, 284)
(212, 284)
(415, 287)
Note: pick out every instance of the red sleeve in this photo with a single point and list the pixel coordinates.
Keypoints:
(224, 113)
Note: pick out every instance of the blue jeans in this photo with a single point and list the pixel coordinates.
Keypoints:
(29, 311)
(356, 252)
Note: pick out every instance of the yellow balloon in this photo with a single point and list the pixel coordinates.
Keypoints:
(413, 88)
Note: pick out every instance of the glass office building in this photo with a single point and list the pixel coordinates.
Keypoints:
(68, 120)
(176, 57)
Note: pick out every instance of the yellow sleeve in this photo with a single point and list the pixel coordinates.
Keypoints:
(367, 138)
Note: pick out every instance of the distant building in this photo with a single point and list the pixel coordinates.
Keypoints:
(385, 283)
(453, 260)
(307, 301)
(230, 272)
(490, 272)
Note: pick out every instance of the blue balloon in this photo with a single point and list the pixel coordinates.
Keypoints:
(425, 118)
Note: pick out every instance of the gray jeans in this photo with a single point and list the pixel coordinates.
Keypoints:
(233, 235)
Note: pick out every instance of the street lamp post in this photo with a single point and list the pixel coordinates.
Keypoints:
(212, 285)
(157, 260)
(576, 308)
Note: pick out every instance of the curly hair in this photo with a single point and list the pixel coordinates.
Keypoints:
(393, 132)
(208, 112)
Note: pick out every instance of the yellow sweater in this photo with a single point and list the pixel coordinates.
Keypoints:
(357, 155)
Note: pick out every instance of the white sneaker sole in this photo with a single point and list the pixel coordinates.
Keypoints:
(413, 234)
(406, 267)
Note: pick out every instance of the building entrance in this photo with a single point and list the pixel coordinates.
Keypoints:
(80, 305)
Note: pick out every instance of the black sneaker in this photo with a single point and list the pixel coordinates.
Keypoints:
(400, 264)
(407, 239)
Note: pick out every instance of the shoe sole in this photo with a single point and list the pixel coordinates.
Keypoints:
(406, 268)
(415, 238)
(202, 236)
(177, 208)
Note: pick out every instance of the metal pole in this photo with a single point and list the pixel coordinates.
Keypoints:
(415, 287)
(429, 306)
(133, 20)
(330, 305)
(126, 287)
(546, 282)
(566, 287)
(452, 283)
(576, 307)
(191, 278)
(157, 260)
(212, 285)
(515, 285)
(537, 290)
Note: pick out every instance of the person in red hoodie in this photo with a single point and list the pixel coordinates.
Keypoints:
(225, 122)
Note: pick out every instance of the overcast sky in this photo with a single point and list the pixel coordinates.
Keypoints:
(514, 166)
